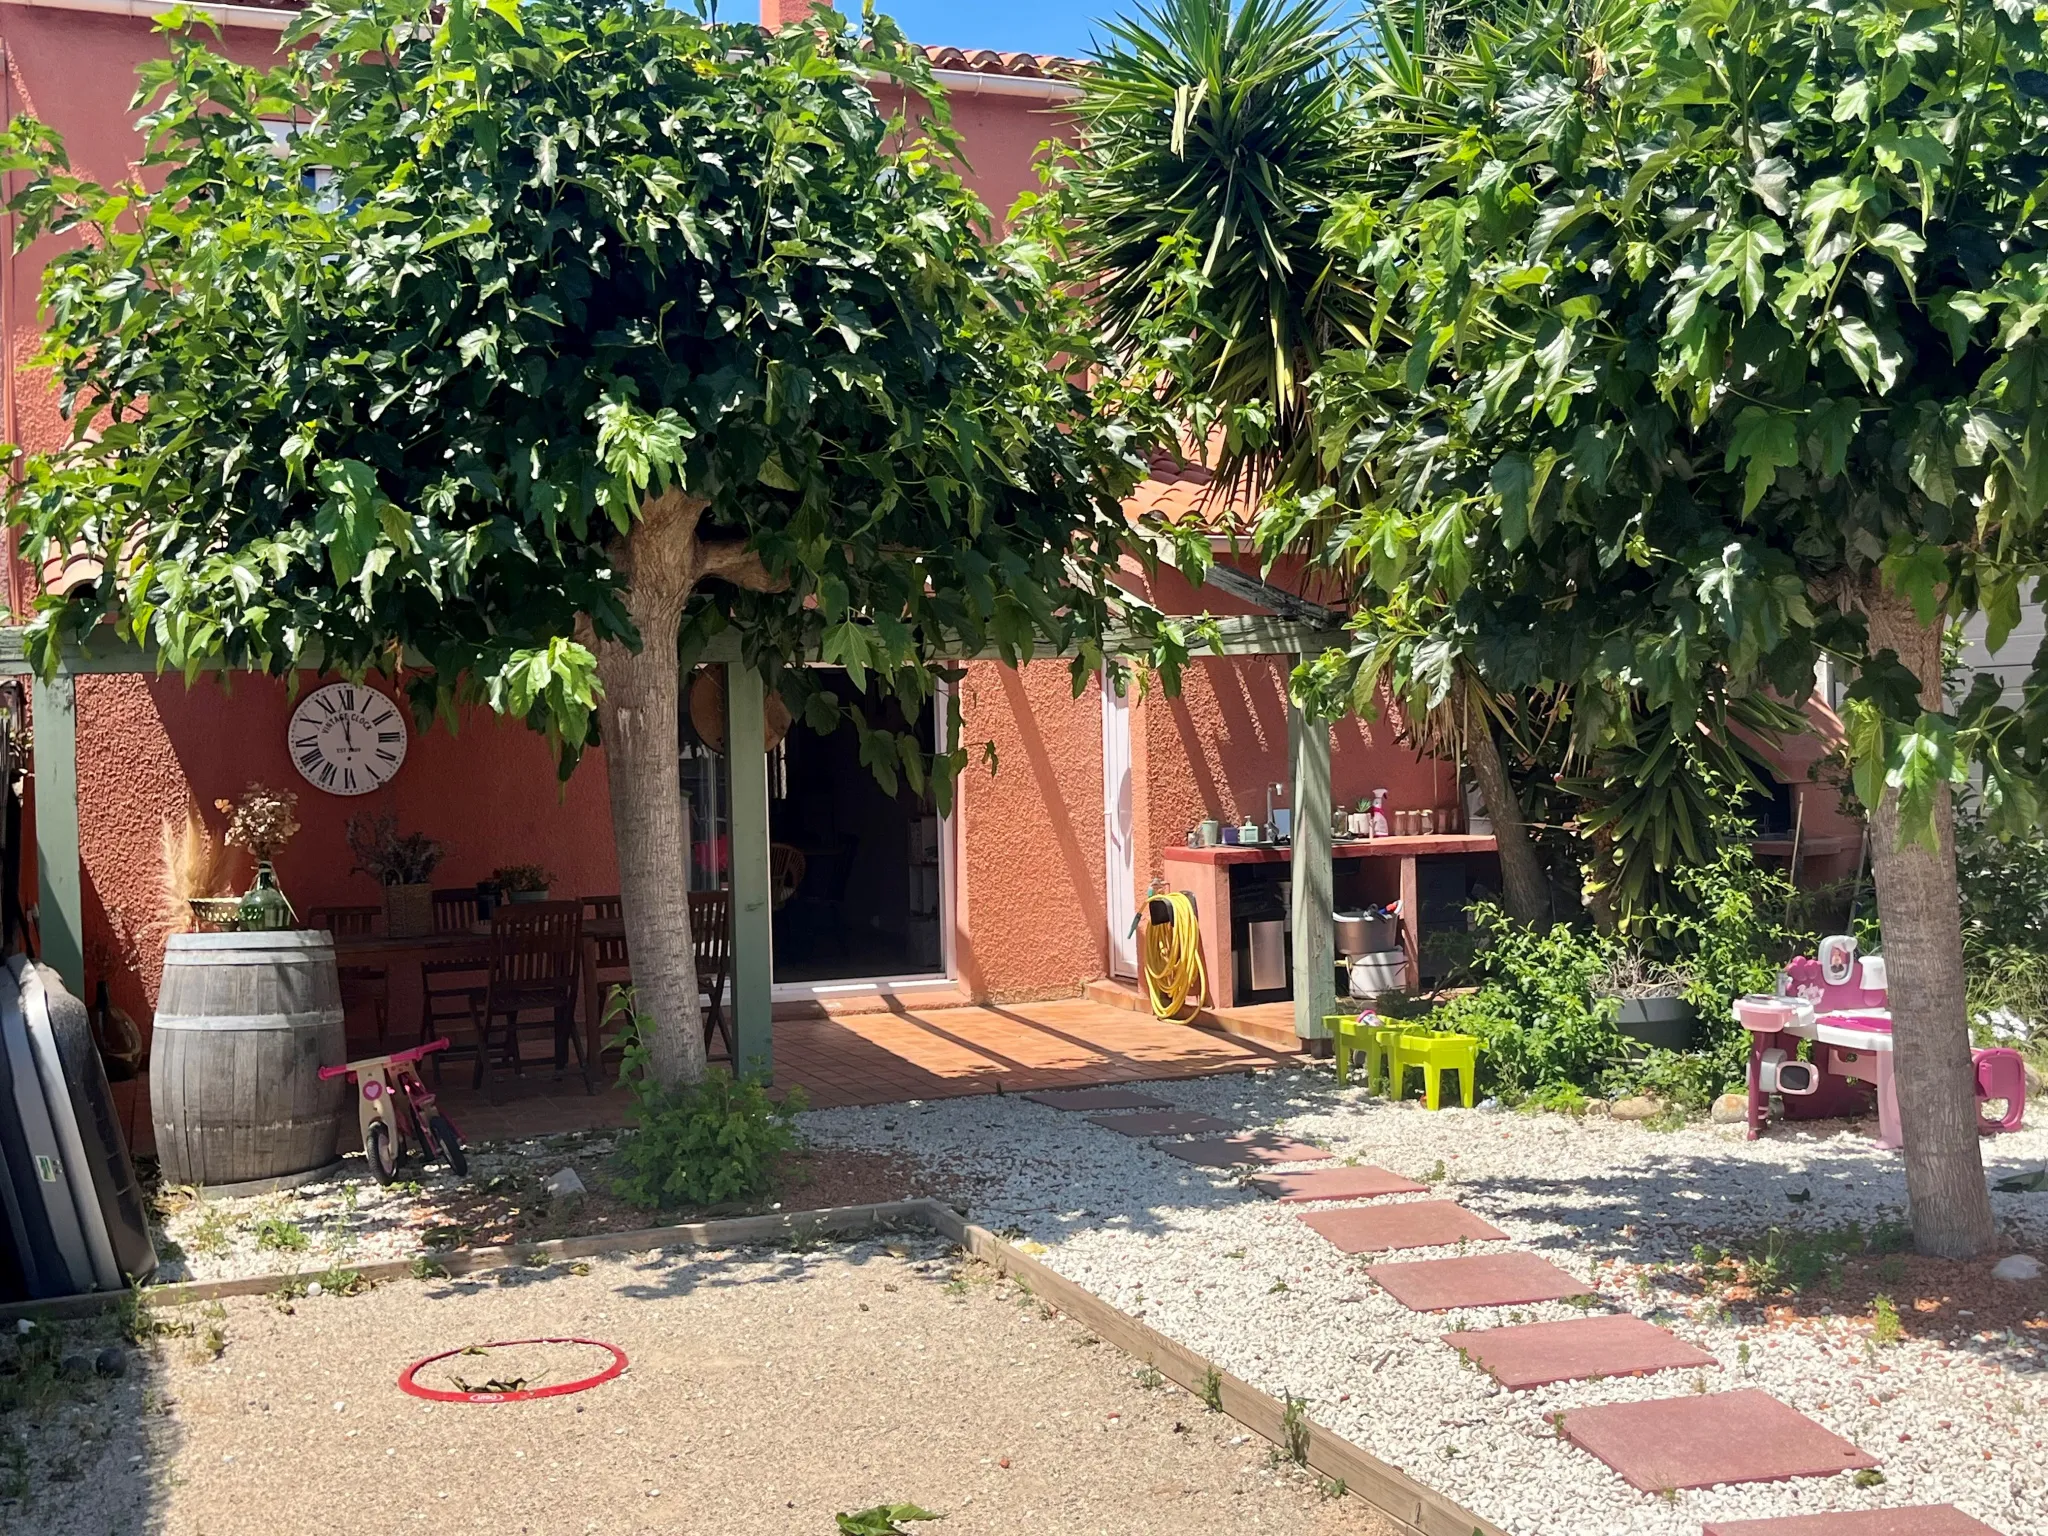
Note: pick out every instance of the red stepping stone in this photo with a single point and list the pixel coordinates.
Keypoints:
(1169, 1122)
(1334, 1184)
(1922, 1520)
(1417, 1224)
(1694, 1442)
(1583, 1349)
(1255, 1147)
(1098, 1098)
(1477, 1280)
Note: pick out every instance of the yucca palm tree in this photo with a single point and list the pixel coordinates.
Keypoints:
(1221, 138)
(1219, 133)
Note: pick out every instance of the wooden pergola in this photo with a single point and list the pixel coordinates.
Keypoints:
(54, 713)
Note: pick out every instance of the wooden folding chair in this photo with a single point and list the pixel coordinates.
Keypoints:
(452, 990)
(361, 985)
(535, 951)
(711, 935)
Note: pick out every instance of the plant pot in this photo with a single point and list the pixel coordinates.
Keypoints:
(526, 896)
(1664, 1023)
(409, 911)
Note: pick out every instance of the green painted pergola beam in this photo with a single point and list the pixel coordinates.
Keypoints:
(753, 913)
(60, 893)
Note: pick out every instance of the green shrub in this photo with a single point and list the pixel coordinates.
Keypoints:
(1535, 1010)
(702, 1144)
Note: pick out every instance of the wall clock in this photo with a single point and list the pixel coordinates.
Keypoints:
(347, 739)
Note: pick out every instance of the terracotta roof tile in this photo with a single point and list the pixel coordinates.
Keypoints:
(1181, 488)
(987, 61)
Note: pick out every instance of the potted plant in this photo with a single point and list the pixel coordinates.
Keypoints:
(263, 820)
(522, 882)
(195, 877)
(1651, 998)
(403, 865)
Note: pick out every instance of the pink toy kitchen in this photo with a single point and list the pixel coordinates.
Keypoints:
(1837, 1007)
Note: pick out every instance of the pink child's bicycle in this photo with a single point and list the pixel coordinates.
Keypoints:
(397, 1110)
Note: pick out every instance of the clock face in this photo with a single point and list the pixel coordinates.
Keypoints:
(347, 739)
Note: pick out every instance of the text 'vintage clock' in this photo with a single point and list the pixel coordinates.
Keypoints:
(347, 739)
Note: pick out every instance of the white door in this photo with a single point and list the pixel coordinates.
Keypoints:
(1118, 845)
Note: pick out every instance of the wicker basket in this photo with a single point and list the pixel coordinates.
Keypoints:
(217, 914)
(408, 911)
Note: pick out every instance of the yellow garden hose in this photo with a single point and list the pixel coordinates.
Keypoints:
(1174, 979)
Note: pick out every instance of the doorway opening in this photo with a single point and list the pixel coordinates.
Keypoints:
(857, 872)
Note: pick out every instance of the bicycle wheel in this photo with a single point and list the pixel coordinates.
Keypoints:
(450, 1145)
(381, 1152)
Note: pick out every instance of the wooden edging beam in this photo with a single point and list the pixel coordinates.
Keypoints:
(1414, 1509)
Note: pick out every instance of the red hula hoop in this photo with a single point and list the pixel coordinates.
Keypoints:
(406, 1383)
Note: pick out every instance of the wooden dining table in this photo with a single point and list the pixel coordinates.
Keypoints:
(451, 944)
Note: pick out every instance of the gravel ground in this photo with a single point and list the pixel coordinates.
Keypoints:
(353, 1220)
(1956, 1410)
(768, 1391)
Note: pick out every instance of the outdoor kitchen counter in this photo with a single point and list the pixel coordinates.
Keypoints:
(1343, 848)
(1204, 874)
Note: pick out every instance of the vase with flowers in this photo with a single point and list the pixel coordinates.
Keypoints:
(262, 820)
(403, 864)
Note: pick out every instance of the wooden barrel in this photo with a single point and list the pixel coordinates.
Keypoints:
(244, 1023)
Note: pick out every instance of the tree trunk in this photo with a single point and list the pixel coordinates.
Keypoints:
(1524, 888)
(1920, 908)
(662, 561)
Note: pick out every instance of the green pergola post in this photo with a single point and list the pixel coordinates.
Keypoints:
(753, 938)
(60, 892)
(1315, 929)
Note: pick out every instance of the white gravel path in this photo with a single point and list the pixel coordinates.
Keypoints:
(1240, 1279)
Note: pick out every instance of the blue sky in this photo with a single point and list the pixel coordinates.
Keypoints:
(1025, 26)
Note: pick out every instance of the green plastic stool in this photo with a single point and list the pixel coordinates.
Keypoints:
(1375, 1042)
(1348, 1037)
(1435, 1055)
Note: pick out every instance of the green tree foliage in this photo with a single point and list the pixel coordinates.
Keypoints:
(493, 345)
(1706, 346)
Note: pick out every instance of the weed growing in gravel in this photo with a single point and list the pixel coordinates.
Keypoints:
(13, 1470)
(425, 1267)
(1277, 1288)
(1742, 1354)
(213, 1234)
(1331, 1487)
(280, 1235)
(1868, 1477)
(1294, 1425)
(1212, 1390)
(1235, 1253)
(345, 1282)
(1795, 1260)
(139, 1322)
(212, 1340)
(1885, 1327)
(1149, 1378)
(1436, 1174)
(882, 1520)
(1669, 1118)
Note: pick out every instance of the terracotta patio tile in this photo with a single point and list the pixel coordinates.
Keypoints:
(1413, 1224)
(1580, 1349)
(1919, 1520)
(1695, 1442)
(1165, 1122)
(1254, 1147)
(1360, 1183)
